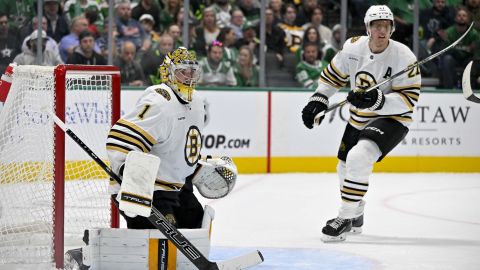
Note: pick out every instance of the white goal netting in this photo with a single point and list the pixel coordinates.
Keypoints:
(34, 173)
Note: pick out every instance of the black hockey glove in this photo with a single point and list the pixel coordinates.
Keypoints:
(316, 104)
(373, 100)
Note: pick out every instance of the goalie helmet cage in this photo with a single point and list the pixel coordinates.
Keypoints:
(50, 190)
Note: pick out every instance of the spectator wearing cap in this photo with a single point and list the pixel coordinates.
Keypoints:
(132, 72)
(84, 54)
(250, 9)
(147, 7)
(9, 42)
(57, 25)
(29, 57)
(250, 39)
(128, 28)
(236, 22)
(69, 42)
(153, 37)
(51, 45)
(215, 70)
(207, 32)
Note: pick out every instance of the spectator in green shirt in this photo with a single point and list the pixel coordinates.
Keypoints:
(245, 71)
(309, 69)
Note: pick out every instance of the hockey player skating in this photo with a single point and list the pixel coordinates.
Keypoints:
(379, 118)
(167, 122)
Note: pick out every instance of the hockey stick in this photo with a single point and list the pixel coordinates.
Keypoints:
(407, 69)
(466, 86)
(159, 221)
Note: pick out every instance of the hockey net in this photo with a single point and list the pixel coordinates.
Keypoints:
(50, 190)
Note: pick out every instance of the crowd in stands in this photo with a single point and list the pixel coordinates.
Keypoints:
(302, 36)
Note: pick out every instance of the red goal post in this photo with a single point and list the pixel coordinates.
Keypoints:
(50, 191)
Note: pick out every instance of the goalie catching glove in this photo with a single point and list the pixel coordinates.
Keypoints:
(215, 177)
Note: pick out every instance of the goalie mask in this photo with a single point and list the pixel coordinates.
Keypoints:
(378, 12)
(215, 177)
(180, 70)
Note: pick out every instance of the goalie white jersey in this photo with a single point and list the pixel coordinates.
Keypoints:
(163, 126)
(356, 64)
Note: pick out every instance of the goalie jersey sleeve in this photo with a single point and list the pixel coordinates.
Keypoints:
(161, 125)
(357, 65)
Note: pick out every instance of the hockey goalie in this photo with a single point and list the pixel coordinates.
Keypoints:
(155, 148)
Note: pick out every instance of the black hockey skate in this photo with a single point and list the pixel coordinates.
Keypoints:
(336, 229)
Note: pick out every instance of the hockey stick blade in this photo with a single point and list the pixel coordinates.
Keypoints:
(466, 86)
(316, 120)
(159, 221)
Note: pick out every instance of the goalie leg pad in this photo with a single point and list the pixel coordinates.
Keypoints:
(136, 192)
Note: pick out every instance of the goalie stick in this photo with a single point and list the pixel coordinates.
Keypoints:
(417, 64)
(466, 86)
(172, 234)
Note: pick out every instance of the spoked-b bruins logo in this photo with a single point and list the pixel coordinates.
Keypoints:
(193, 145)
(364, 80)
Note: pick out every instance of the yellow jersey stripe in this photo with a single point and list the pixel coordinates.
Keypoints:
(129, 139)
(340, 74)
(326, 81)
(139, 130)
(119, 148)
(333, 78)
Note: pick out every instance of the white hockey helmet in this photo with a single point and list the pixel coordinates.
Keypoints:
(378, 12)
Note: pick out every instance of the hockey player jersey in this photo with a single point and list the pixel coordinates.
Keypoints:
(357, 65)
(161, 125)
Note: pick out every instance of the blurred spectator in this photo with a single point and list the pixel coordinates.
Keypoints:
(335, 44)
(57, 25)
(167, 14)
(207, 32)
(176, 33)
(474, 7)
(152, 60)
(250, 39)
(305, 12)
(149, 7)
(433, 22)
(128, 28)
(246, 73)
(311, 35)
(215, 71)
(70, 41)
(275, 36)
(84, 54)
(236, 22)
(250, 9)
(102, 41)
(293, 33)
(74, 8)
(192, 24)
(276, 7)
(309, 69)
(316, 21)
(222, 10)
(29, 57)
(454, 60)
(51, 45)
(152, 36)
(20, 12)
(94, 24)
(403, 14)
(9, 42)
(229, 40)
(132, 72)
